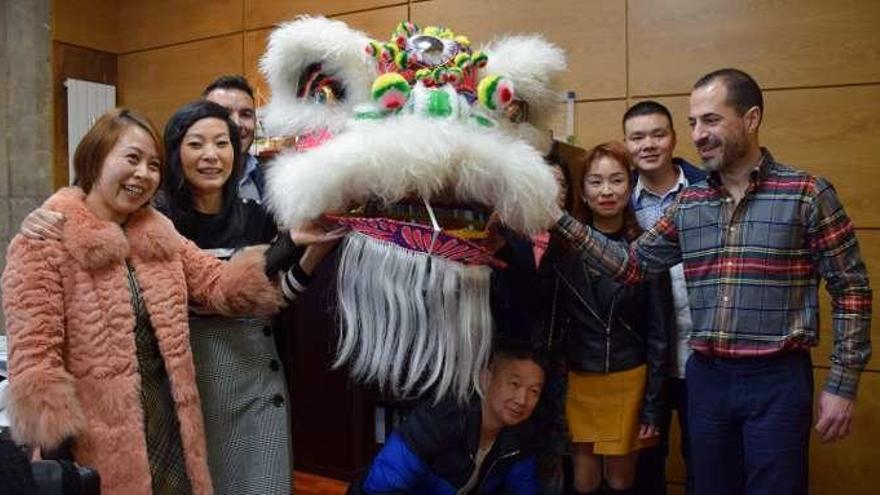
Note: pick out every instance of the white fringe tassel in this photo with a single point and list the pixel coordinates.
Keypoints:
(411, 322)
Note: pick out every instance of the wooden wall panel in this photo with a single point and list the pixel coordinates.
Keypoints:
(254, 46)
(157, 82)
(675, 489)
(597, 122)
(377, 23)
(592, 34)
(831, 132)
(156, 23)
(265, 13)
(784, 43)
(674, 462)
(869, 244)
(850, 465)
(86, 23)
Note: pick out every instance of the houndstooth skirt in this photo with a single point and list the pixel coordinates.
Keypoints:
(245, 405)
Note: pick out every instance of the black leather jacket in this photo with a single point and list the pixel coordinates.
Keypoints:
(604, 326)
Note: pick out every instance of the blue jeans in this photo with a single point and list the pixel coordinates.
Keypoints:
(750, 423)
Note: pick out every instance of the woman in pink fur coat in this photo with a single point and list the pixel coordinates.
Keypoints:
(97, 322)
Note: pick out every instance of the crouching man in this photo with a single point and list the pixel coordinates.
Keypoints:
(482, 447)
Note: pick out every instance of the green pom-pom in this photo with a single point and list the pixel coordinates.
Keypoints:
(401, 59)
(374, 49)
(406, 28)
(495, 92)
(454, 75)
(480, 59)
(390, 51)
(367, 112)
(462, 60)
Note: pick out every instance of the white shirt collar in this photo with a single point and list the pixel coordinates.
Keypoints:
(681, 183)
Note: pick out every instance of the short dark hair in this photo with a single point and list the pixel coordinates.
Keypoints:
(506, 349)
(230, 81)
(647, 107)
(743, 91)
(175, 189)
(93, 148)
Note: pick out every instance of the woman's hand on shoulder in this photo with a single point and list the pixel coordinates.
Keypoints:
(42, 223)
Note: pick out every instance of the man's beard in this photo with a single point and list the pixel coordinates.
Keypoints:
(714, 164)
(731, 150)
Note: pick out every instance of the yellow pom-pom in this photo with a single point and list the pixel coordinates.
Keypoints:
(390, 91)
(480, 59)
(453, 75)
(462, 60)
(401, 60)
(374, 49)
(495, 92)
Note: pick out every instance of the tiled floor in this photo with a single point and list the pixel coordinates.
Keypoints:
(312, 484)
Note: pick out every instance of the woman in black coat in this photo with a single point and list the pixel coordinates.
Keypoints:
(613, 337)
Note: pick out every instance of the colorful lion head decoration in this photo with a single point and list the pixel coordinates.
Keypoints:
(419, 144)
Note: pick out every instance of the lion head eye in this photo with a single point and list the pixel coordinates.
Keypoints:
(315, 84)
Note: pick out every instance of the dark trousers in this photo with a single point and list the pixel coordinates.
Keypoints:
(651, 468)
(750, 423)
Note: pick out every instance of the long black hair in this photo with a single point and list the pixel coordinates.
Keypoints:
(176, 200)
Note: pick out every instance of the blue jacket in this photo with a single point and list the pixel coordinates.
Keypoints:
(432, 454)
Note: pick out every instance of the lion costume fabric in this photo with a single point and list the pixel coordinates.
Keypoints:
(418, 144)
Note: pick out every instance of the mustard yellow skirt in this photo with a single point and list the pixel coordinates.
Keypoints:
(603, 409)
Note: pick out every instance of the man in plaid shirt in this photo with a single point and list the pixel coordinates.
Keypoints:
(754, 239)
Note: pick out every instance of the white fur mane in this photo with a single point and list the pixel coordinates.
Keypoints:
(392, 158)
(534, 65)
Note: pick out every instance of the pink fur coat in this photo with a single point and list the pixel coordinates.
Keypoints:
(70, 323)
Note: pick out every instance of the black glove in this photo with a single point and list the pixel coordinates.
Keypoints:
(282, 254)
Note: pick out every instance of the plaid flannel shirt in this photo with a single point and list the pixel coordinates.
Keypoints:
(752, 269)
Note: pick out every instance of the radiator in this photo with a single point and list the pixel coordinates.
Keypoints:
(86, 101)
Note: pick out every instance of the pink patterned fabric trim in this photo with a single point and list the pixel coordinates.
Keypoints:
(417, 237)
(311, 140)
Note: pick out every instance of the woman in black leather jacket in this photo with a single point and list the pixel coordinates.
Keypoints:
(613, 337)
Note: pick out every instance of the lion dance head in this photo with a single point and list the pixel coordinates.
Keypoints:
(419, 144)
